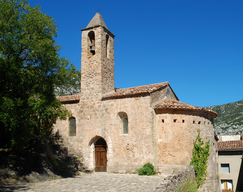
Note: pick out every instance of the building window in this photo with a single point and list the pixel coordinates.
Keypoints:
(226, 185)
(124, 122)
(225, 168)
(125, 125)
(72, 126)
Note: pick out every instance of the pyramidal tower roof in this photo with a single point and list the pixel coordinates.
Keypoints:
(97, 21)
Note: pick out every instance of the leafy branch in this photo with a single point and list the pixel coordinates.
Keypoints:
(200, 156)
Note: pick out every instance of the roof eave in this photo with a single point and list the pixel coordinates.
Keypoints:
(184, 110)
(229, 150)
(125, 96)
(96, 26)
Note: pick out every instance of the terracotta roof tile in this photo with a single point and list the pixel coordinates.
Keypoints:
(175, 104)
(135, 91)
(69, 98)
(230, 145)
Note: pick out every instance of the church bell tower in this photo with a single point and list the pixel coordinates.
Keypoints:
(97, 63)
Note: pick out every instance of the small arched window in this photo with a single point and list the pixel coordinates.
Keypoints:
(124, 122)
(72, 126)
(91, 36)
(125, 125)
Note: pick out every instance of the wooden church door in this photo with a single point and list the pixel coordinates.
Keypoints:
(100, 155)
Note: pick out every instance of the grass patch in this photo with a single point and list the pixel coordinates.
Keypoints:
(188, 186)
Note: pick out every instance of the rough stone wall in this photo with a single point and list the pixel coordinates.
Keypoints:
(97, 74)
(160, 96)
(172, 182)
(211, 183)
(132, 150)
(175, 134)
(107, 62)
(73, 143)
(126, 152)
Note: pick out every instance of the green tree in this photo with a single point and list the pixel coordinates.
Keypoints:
(29, 68)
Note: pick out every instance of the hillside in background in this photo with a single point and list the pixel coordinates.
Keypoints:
(71, 86)
(230, 118)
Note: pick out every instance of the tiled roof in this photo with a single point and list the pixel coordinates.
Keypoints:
(135, 91)
(175, 104)
(230, 145)
(69, 98)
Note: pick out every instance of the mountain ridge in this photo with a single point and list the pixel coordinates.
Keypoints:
(230, 118)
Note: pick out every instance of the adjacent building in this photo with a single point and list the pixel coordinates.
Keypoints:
(230, 150)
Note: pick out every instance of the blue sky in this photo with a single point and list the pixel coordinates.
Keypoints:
(195, 45)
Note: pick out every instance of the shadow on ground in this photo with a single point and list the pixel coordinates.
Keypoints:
(13, 188)
(41, 161)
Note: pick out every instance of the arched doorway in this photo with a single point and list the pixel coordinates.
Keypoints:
(100, 155)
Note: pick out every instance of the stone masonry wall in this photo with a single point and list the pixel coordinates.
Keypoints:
(160, 96)
(176, 133)
(172, 182)
(97, 74)
(126, 152)
(73, 143)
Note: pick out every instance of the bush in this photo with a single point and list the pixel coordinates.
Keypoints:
(147, 169)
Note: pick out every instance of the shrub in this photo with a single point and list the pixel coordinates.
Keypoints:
(147, 169)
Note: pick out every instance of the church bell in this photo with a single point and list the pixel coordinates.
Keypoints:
(92, 49)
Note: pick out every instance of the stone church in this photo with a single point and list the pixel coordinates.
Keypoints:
(118, 130)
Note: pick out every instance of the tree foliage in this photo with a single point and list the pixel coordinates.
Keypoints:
(29, 68)
(199, 159)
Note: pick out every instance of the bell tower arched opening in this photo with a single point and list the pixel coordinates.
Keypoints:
(107, 47)
(91, 43)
